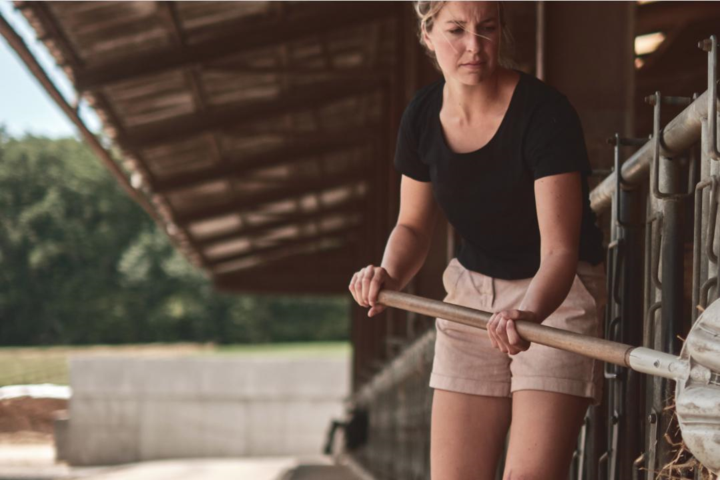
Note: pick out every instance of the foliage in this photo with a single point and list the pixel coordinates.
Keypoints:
(81, 263)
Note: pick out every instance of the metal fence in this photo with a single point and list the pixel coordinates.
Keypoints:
(662, 269)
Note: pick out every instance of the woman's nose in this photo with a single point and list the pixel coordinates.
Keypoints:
(473, 43)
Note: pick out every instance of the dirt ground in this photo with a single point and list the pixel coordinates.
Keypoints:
(27, 420)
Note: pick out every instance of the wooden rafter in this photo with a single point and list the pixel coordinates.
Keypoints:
(347, 208)
(326, 273)
(343, 235)
(229, 167)
(260, 35)
(301, 100)
(350, 178)
(666, 16)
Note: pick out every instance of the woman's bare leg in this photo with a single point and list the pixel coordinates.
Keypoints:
(543, 434)
(467, 435)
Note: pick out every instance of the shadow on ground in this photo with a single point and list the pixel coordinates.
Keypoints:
(318, 472)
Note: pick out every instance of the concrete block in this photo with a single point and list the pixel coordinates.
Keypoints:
(125, 409)
(97, 376)
(310, 378)
(184, 429)
(104, 411)
(61, 432)
(101, 446)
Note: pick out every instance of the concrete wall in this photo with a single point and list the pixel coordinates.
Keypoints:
(129, 409)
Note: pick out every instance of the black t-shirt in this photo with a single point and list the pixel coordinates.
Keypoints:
(488, 195)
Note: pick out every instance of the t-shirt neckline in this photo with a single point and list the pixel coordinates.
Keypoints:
(438, 123)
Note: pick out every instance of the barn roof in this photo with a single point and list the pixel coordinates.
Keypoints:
(249, 127)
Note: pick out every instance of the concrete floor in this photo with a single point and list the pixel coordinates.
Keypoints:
(36, 462)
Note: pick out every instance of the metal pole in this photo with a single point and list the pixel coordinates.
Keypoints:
(631, 212)
(678, 135)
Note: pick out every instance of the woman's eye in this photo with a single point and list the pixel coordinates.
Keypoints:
(456, 31)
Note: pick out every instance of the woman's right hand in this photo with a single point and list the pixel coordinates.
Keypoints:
(367, 283)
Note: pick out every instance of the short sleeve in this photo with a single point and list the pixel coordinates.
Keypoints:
(554, 140)
(407, 159)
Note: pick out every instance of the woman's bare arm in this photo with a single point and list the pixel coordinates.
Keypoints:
(559, 210)
(558, 200)
(409, 242)
(406, 249)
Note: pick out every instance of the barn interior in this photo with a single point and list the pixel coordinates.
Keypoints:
(260, 137)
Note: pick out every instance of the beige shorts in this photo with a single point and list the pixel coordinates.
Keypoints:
(466, 362)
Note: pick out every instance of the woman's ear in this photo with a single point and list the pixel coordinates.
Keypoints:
(428, 42)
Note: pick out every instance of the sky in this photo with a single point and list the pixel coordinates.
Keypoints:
(25, 106)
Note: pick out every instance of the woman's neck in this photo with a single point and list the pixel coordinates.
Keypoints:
(468, 102)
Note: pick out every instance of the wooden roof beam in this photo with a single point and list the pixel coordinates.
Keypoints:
(195, 124)
(309, 275)
(234, 41)
(347, 207)
(242, 165)
(260, 236)
(667, 16)
(328, 271)
(242, 202)
(344, 235)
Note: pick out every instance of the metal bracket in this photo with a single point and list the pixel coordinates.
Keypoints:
(637, 465)
(612, 372)
(657, 101)
(612, 464)
(699, 293)
(656, 223)
(710, 45)
(653, 419)
(614, 260)
(620, 182)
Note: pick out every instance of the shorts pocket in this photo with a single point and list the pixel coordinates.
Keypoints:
(451, 275)
(591, 283)
(591, 297)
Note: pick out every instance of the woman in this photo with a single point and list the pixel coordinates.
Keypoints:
(503, 155)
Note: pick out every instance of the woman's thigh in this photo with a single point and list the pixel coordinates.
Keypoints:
(543, 434)
(467, 435)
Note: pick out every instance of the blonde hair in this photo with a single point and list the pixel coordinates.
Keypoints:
(427, 11)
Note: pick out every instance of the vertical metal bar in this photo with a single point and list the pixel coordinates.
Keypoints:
(672, 262)
(625, 264)
(637, 465)
(630, 411)
(615, 434)
(698, 242)
(657, 242)
(710, 45)
(652, 445)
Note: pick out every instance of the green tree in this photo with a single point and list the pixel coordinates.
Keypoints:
(81, 263)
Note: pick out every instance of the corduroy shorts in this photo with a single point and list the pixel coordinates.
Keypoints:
(466, 362)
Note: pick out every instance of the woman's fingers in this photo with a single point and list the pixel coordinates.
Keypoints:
(501, 335)
(498, 328)
(375, 310)
(367, 278)
(356, 287)
(375, 284)
(518, 344)
(365, 286)
(491, 326)
(353, 287)
(488, 328)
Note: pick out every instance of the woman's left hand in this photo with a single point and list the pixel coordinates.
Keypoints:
(503, 334)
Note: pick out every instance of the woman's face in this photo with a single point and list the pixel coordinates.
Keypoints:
(465, 37)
